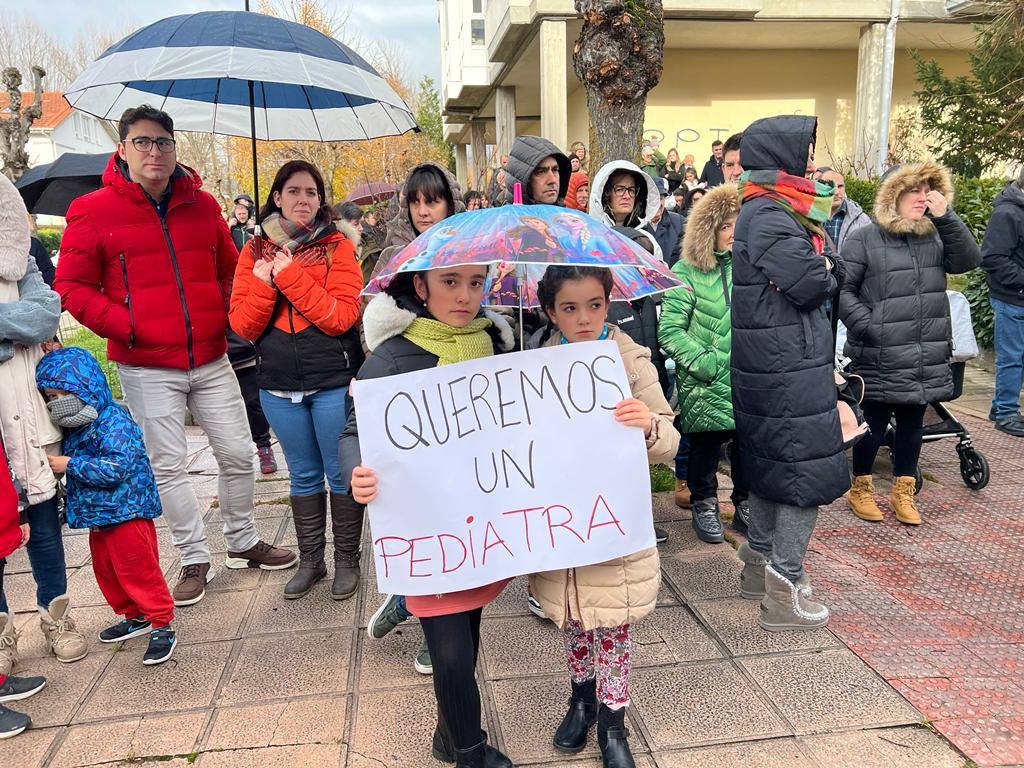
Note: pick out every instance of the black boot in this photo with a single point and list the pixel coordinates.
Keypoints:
(347, 526)
(483, 755)
(310, 516)
(443, 750)
(612, 738)
(571, 735)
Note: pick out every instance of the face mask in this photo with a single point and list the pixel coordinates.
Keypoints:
(70, 412)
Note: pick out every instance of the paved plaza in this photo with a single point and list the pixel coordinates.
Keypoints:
(925, 648)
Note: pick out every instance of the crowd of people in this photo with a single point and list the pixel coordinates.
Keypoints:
(259, 330)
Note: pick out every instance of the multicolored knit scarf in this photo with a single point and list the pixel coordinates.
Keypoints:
(285, 233)
(810, 202)
(451, 344)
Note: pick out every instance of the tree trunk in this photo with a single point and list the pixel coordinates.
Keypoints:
(619, 58)
(14, 130)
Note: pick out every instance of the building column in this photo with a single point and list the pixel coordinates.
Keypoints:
(462, 165)
(505, 118)
(479, 148)
(867, 119)
(554, 95)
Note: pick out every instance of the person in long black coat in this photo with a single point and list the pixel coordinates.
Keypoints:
(899, 334)
(783, 389)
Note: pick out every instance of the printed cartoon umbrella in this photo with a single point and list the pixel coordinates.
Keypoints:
(522, 241)
(374, 192)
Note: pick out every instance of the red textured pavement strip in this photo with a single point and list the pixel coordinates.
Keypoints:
(938, 610)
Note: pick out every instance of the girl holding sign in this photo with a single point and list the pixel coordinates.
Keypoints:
(423, 320)
(594, 605)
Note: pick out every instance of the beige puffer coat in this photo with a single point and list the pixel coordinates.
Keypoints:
(27, 430)
(623, 590)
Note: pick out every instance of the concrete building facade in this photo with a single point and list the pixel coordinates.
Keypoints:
(507, 69)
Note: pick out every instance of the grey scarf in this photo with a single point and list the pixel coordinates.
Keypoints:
(70, 411)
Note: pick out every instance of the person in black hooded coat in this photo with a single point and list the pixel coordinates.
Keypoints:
(783, 389)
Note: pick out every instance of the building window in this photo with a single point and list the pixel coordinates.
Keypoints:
(476, 31)
(478, 7)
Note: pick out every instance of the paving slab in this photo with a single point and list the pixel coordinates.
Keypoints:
(66, 686)
(300, 756)
(769, 753)
(734, 621)
(30, 748)
(890, 747)
(132, 739)
(394, 728)
(318, 720)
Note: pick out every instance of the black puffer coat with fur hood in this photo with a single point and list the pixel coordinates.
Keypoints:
(893, 302)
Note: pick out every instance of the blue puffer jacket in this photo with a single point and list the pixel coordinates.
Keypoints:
(109, 479)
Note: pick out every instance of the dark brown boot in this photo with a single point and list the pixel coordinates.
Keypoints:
(347, 525)
(310, 516)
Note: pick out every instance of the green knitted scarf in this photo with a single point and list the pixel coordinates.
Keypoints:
(451, 344)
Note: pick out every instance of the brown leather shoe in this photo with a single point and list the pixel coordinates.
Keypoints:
(262, 555)
(682, 495)
(191, 586)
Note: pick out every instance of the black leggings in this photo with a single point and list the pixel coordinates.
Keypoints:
(906, 444)
(454, 642)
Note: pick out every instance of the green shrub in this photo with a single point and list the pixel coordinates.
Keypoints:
(50, 237)
(662, 479)
(973, 203)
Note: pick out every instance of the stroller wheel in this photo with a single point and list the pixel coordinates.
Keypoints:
(974, 469)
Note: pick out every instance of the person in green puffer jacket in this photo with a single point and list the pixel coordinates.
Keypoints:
(696, 332)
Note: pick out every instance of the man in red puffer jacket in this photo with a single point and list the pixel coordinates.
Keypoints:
(147, 262)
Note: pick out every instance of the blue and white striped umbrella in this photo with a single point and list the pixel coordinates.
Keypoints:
(198, 68)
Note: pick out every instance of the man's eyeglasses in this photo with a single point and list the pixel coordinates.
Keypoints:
(145, 143)
(622, 191)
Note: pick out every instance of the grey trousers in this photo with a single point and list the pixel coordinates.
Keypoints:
(157, 398)
(781, 533)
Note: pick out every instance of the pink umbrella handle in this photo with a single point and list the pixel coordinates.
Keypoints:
(517, 193)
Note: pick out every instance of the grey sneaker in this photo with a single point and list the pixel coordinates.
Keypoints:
(12, 723)
(388, 616)
(422, 663)
(707, 522)
(19, 688)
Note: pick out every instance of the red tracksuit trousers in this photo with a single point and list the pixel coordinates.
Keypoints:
(126, 562)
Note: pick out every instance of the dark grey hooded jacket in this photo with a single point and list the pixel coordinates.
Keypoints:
(1003, 248)
(893, 302)
(783, 389)
(527, 153)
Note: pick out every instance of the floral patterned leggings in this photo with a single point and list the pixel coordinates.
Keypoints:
(612, 647)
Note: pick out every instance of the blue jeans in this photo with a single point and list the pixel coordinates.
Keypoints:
(45, 554)
(309, 432)
(1009, 342)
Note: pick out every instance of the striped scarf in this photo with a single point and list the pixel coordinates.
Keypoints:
(809, 202)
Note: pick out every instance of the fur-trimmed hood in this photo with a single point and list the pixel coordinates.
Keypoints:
(384, 318)
(353, 234)
(720, 204)
(898, 180)
(400, 229)
(14, 233)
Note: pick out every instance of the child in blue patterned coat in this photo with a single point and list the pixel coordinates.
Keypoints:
(112, 492)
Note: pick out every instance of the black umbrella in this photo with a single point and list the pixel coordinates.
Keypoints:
(49, 189)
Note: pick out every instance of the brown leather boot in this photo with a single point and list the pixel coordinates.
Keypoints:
(309, 513)
(861, 497)
(347, 525)
(902, 500)
(682, 494)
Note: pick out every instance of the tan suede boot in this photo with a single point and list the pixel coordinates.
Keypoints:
(8, 644)
(62, 636)
(682, 494)
(862, 499)
(902, 500)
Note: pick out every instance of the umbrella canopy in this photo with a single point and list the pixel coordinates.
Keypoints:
(49, 189)
(374, 192)
(198, 68)
(523, 241)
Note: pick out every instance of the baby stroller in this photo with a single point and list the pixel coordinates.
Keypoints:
(941, 423)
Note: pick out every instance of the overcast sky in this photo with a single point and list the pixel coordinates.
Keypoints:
(413, 23)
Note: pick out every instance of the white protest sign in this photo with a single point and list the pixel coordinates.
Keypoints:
(502, 466)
